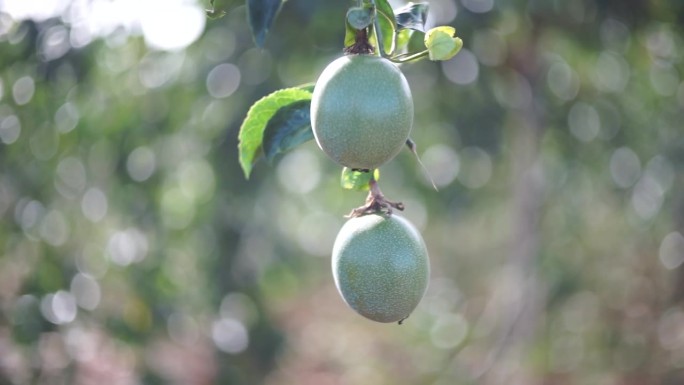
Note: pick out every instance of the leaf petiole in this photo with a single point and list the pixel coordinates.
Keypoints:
(407, 57)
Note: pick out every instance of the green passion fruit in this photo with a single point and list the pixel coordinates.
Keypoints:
(361, 111)
(381, 266)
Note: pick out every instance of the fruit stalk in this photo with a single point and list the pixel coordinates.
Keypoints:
(361, 44)
(375, 202)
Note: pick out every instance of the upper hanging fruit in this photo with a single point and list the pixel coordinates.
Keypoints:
(361, 111)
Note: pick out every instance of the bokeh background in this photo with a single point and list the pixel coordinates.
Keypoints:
(133, 251)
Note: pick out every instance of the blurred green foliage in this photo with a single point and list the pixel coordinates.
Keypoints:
(132, 250)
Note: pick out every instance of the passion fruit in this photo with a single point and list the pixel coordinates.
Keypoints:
(361, 111)
(380, 265)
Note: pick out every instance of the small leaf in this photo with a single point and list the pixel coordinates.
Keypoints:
(442, 43)
(387, 35)
(261, 14)
(349, 34)
(359, 17)
(385, 9)
(252, 130)
(357, 180)
(388, 24)
(412, 16)
(287, 129)
(403, 39)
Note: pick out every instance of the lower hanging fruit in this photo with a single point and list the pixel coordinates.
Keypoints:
(381, 266)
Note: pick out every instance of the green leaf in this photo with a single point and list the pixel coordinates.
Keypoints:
(442, 43)
(261, 14)
(388, 24)
(307, 87)
(412, 16)
(359, 17)
(287, 129)
(219, 8)
(349, 34)
(357, 180)
(252, 130)
(403, 39)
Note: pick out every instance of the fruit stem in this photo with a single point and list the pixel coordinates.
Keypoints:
(361, 44)
(375, 201)
(404, 58)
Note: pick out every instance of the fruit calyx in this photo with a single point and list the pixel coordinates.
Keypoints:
(361, 46)
(375, 203)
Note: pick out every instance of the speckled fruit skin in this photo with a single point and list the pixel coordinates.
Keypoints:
(381, 266)
(361, 111)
